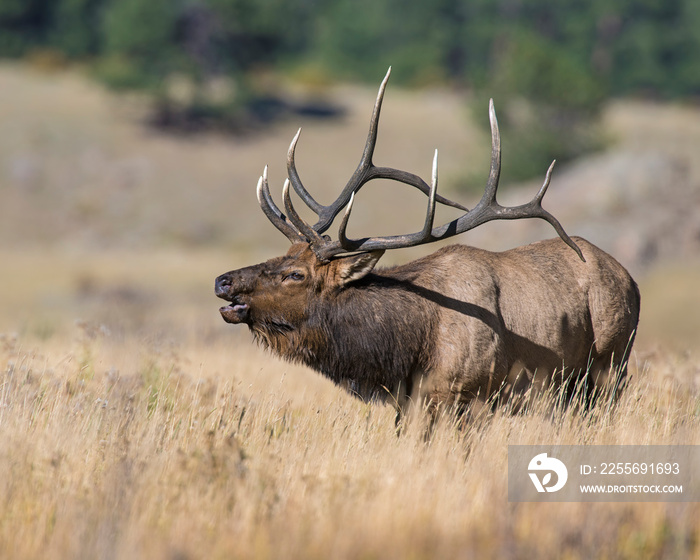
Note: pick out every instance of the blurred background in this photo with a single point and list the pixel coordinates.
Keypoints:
(133, 134)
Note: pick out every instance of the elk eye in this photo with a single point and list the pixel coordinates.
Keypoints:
(296, 276)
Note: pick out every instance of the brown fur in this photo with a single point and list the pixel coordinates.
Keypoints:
(456, 326)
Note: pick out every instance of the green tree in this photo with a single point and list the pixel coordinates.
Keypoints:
(361, 38)
(75, 29)
(251, 33)
(688, 71)
(142, 35)
(548, 103)
(548, 64)
(23, 25)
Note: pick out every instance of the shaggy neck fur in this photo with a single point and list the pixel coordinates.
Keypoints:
(356, 338)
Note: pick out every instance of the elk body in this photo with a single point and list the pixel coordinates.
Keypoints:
(452, 328)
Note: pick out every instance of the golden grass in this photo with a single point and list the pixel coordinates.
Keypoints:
(136, 424)
(135, 449)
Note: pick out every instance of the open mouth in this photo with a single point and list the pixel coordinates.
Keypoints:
(235, 312)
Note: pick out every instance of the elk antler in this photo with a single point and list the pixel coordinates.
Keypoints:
(366, 171)
(296, 229)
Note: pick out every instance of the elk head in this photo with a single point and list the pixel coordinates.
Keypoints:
(275, 296)
(275, 293)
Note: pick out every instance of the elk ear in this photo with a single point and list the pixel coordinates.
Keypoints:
(349, 269)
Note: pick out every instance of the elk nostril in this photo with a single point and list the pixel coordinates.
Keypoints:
(221, 284)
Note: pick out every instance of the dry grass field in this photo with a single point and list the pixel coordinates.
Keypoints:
(206, 449)
(134, 423)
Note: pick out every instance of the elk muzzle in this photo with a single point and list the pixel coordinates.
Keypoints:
(233, 287)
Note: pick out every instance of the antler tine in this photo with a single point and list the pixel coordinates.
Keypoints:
(368, 152)
(299, 223)
(273, 213)
(345, 243)
(296, 181)
(430, 215)
(545, 184)
(495, 171)
(537, 202)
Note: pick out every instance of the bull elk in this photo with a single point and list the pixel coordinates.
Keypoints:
(451, 328)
